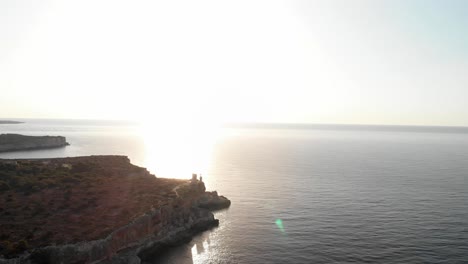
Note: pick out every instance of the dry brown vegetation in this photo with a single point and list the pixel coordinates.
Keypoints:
(60, 201)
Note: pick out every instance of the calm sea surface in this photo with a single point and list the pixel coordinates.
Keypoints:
(301, 194)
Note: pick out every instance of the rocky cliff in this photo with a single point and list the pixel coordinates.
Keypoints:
(171, 224)
(104, 196)
(15, 142)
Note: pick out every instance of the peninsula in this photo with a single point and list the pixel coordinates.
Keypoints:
(96, 209)
(16, 142)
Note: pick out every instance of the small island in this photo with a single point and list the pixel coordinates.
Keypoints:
(96, 209)
(9, 122)
(16, 142)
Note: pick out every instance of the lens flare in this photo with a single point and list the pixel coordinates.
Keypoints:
(279, 224)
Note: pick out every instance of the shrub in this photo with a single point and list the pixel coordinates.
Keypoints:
(81, 167)
(22, 245)
(10, 249)
(4, 186)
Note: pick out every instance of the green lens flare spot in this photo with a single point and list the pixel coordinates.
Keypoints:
(279, 224)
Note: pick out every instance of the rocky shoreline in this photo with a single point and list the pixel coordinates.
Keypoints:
(174, 220)
(140, 240)
(16, 142)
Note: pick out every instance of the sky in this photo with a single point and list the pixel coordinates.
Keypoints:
(401, 62)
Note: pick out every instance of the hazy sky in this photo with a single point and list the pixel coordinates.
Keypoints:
(368, 62)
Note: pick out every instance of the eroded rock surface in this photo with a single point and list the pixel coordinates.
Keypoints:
(212, 201)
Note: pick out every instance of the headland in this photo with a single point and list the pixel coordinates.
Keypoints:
(96, 209)
(16, 142)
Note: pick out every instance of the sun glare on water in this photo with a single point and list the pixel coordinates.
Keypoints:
(176, 150)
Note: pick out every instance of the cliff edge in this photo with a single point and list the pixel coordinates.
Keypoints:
(96, 209)
(16, 142)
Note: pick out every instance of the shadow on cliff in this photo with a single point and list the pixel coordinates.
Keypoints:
(186, 253)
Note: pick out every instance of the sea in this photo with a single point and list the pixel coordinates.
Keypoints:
(300, 193)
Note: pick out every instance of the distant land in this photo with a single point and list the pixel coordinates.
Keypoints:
(96, 209)
(16, 142)
(10, 122)
(355, 127)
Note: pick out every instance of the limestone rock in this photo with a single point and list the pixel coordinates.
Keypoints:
(212, 201)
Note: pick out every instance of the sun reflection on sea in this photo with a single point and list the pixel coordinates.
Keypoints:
(177, 151)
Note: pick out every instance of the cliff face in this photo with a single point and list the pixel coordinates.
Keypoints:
(172, 223)
(213, 202)
(15, 142)
(96, 209)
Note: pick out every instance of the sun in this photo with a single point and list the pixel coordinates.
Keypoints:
(178, 149)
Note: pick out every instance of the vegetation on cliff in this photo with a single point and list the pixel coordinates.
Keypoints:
(67, 200)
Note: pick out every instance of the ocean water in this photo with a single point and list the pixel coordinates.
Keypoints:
(303, 194)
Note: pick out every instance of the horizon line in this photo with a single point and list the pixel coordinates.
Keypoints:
(254, 124)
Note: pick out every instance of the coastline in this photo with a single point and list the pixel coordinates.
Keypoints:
(173, 221)
(17, 142)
